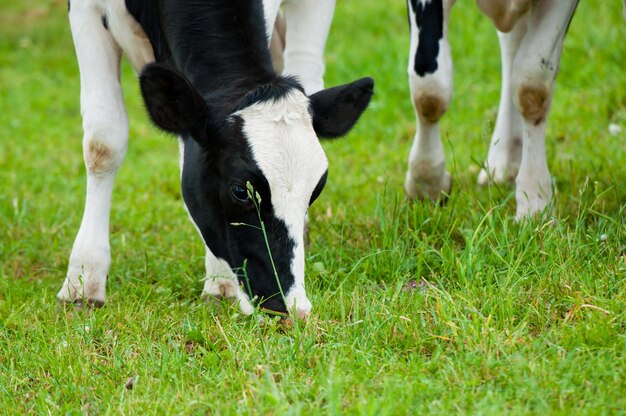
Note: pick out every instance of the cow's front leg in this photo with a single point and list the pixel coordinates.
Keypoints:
(105, 126)
(221, 282)
(430, 79)
(536, 67)
(505, 150)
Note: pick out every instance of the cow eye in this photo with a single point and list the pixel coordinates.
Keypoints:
(239, 193)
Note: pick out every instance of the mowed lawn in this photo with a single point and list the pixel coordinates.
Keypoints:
(417, 308)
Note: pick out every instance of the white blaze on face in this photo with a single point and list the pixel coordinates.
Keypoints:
(287, 150)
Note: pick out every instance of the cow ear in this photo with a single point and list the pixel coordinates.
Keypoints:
(336, 110)
(172, 102)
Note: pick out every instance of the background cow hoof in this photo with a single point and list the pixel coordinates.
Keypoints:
(79, 304)
(533, 196)
(497, 174)
(532, 208)
(435, 189)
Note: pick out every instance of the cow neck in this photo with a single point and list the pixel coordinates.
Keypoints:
(219, 45)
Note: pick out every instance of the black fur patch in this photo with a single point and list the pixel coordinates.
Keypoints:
(335, 110)
(429, 20)
(270, 91)
(105, 22)
(214, 43)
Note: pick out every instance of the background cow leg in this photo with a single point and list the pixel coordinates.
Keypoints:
(275, 31)
(308, 23)
(277, 43)
(536, 65)
(430, 79)
(505, 150)
(105, 126)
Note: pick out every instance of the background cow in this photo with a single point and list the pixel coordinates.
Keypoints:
(531, 35)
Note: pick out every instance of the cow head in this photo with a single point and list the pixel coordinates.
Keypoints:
(251, 171)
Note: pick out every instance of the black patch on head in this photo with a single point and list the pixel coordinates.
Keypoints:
(68, 6)
(105, 23)
(429, 20)
(271, 91)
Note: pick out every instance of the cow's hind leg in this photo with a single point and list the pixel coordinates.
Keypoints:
(308, 23)
(430, 79)
(505, 150)
(105, 126)
(536, 65)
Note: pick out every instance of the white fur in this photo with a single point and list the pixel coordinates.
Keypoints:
(128, 33)
(531, 54)
(222, 282)
(105, 126)
(537, 63)
(289, 154)
(308, 23)
(104, 119)
(505, 150)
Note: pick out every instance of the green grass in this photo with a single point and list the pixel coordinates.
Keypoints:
(512, 318)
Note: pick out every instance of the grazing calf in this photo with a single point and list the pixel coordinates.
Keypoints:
(531, 34)
(207, 77)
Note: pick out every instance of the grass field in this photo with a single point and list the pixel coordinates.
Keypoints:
(501, 318)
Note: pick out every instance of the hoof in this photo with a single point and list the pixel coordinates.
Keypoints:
(438, 194)
(437, 190)
(495, 176)
(82, 303)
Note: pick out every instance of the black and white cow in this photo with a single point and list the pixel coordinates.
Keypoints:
(206, 76)
(531, 34)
